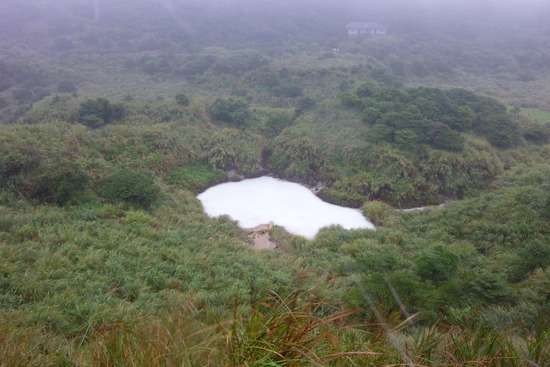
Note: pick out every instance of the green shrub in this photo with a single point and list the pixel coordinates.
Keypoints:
(288, 90)
(536, 133)
(379, 213)
(501, 131)
(531, 257)
(304, 104)
(56, 108)
(15, 160)
(350, 100)
(296, 156)
(98, 112)
(56, 182)
(132, 187)
(182, 100)
(486, 287)
(436, 264)
(276, 121)
(196, 177)
(367, 89)
(442, 137)
(234, 111)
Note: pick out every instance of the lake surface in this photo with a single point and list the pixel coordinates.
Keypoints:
(267, 200)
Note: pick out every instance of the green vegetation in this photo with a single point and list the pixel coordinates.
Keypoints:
(98, 112)
(429, 116)
(113, 125)
(538, 115)
(233, 111)
(196, 177)
(96, 264)
(131, 187)
(182, 100)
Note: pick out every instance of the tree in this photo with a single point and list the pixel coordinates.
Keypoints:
(405, 139)
(536, 133)
(367, 89)
(234, 111)
(486, 287)
(67, 86)
(55, 183)
(98, 112)
(501, 131)
(465, 118)
(182, 100)
(350, 100)
(131, 187)
(304, 104)
(295, 156)
(436, 264)
(380, 213)
(288, 90)
(532, 256)
(442, 137)
(276, 122)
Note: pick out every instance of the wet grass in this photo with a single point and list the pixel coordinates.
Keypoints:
(538, 115)
(292, 331)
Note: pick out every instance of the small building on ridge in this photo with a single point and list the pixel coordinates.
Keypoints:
(356, 29)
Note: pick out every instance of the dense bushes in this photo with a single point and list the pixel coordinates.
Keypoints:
(436, 264)
(55, 182)
(296, 157)
(481, 262)
(17, 160)
(196, 177)
(131, 187)
(232, 149)
(407, 118)
(98, 112)
(472, 257)
(536, 133)
(272, 121)
(34, 164)
(380, 213)
(182, 100)
(406, 180)
(234, 111)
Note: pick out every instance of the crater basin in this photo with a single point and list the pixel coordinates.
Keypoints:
(268, 200)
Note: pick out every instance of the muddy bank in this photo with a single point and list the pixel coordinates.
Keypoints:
(260, 237)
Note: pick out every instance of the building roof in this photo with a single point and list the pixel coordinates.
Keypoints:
(365, 26)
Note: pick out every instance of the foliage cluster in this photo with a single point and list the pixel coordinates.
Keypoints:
(98, 112)
(73, 272)
(196, 177)
(106, 256)
(233, 111)
(408, 118)
(129, 186)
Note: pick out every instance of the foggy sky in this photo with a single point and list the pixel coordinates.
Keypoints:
(410, 14)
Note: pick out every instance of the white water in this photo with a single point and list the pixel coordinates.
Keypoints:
(267, 200)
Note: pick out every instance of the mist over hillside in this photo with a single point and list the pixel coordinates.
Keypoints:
(248, 20)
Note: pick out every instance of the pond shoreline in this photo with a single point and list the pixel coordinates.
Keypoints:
(317, 189)
(267, 201)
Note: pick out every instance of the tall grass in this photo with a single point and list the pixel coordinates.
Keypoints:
(291, 331)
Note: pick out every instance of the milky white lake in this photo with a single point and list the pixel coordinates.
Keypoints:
(267, 200)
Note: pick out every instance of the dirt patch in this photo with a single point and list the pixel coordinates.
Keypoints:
(423, 209)
(260, 237)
